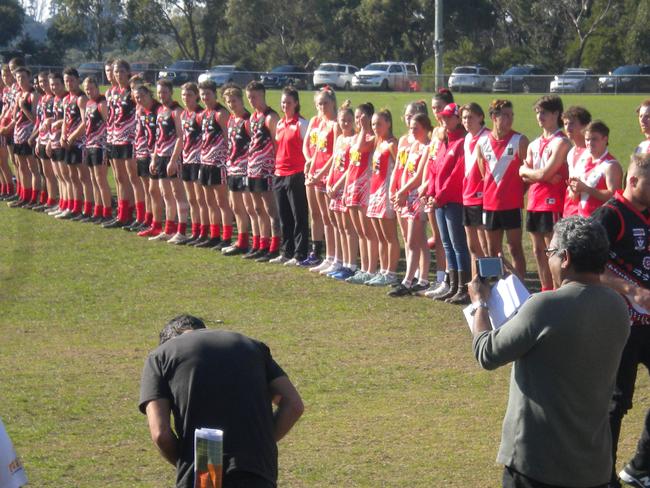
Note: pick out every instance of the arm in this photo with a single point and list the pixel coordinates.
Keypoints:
(30, 113)
(272, 124)
(103, 110)
(305, 146)
(613, 180)
(178, 147)
(290, 406)
(639, 295)
(555, 162)
(158, 418)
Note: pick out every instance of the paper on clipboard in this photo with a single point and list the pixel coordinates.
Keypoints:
(506, 296)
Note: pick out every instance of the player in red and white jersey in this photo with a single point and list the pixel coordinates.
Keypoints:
(73, 135)
(500, 155)
(166, 161)
(347, 240)
(316, 170)
(575, 120)
(7, 133)
(38, 140)
(95, 115)
(261, 166)
(111, 97)
(212, 171)
(473, 119)
(380, 207)
(190, 164)
(24, 119)
(546, 172)
(603, 174)
(643, 111)
(237, 168)
(145, 146)
(357, 192)
(131, 189)
(53, 148)
(407, 201)
(7, 190)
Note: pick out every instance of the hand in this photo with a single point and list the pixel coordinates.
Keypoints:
(642, 297)
(478, 289)
(400, 198)
(171, 168)
(152, 168)
(48, 150)
(577, 185)
(64, 143)
(556, 179)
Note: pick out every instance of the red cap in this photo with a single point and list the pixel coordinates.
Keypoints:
(449, 110)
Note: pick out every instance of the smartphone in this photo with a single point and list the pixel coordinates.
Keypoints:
(489, 267)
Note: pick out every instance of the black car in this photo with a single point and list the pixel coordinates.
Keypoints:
(146, 70)
(287, 74)
(526, 78)
(628, 78)
(182, 71)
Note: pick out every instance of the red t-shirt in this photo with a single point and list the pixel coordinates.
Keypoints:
(503, 187)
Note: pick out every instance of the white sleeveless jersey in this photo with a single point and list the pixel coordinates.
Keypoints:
(643, 148)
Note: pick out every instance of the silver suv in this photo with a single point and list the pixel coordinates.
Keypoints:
(470, 78)
(334, 74)
(386, 75)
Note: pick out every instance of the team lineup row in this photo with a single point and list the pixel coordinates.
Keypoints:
(343, 176)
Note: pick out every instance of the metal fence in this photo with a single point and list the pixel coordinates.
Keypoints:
(539, 84)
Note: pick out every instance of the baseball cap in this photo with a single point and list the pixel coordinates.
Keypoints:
(449, 110)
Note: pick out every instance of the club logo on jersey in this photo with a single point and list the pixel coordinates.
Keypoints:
(355, 157)
(510, 151)
(15, 466)
(646, 262)
(639, 239)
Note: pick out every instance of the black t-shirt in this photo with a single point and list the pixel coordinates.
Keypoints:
(217, 379)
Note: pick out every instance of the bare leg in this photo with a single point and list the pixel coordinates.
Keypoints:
(474, 244)
(513, 236)
(540, 241)
(328, 228)
(317, 231)
(389, 232)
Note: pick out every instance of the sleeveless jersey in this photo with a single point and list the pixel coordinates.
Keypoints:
(400, 164)
(124, 117)
(191, 123)
(166, 135)
(379, 204)
(110, 106)
(643, 148)
(324, 145)
(289, 134)
(341, 158)
(577, 158)
(95, 124)
(629, 249)
(73, 117)
(238, 141)
(312, 136)
(58, 113)
(473, 180)
(44, 111)
(594, 177)
(412, 205)
(7, 103)
(503, 188)
(214, 147)
(145, 140)
(261, 152)
(544, 196)
(23, 127)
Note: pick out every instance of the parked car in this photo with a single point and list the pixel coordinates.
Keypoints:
(525, 78)
(145, 69)
(334, 74)
(386, 75)
(628, 78)
(182, 71)
(93, 68)
(287, 74)
(574, 80)
(227, 73)
(470, 78)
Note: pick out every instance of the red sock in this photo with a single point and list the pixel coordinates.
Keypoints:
(61, 203)
(88, 207)
(98, 211)
(204, 230)
(127, 211)
(140, 211)
(50, 201)
(76, 206)
(3, 189)
(256, 242)
(215, 231)
(227, 232)
(27, 194)
(19, 190)
(108, 212)
(182, 228)
(120, 205)
(148, 218)
(547, 289)
(156, 225)
(43, 197)
(196, 229)
(242, 240)
(10, 188)
(170, 225)
(275, 244)
(265, 242)
(35, 196)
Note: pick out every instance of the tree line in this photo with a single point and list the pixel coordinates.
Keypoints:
(258, 34)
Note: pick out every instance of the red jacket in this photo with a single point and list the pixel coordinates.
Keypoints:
(447, 171)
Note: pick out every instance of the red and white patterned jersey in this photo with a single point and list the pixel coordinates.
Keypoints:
(23, 126)
(503, 188)
(44, 111)
(577, 159)
(643, 148)
(57, 114)
(146, 126)
(594, 177)
(473, 181)
(545, 196)
(191, 122)
(95, 123)
(73, 117)
(238, 141)
(166, 135)
(124, 117)
(111, 98)
(261, 151)
(214, 147)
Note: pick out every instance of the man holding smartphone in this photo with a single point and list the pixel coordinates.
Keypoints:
(556, 428)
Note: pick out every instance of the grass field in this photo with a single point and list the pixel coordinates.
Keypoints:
(393, 396)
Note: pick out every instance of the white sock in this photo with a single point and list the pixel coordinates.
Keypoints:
(440, 276)
(407, 283)
(423, 282)
(352, 267)
(383, 271)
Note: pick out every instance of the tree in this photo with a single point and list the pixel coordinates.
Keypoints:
(11, 20)
(637, 41)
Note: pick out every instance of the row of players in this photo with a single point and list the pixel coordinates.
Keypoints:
(344, 169)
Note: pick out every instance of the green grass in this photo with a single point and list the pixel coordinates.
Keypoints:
(393, 395)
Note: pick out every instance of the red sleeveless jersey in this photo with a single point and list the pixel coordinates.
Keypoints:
(594, 177)
(503, 187)
(473, 180)
(324, 145)
(643, 148)
(576, 162)
(544, 196)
